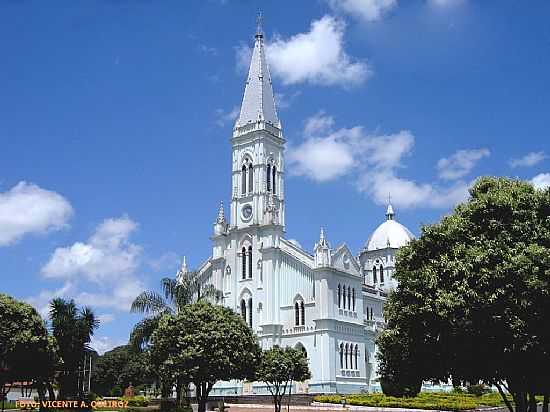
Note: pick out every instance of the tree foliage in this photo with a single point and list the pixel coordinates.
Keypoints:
(279, 368)
(203, 344)
(118, 368)
(473, 301)
(72, 328)
(185, 289)
(27, 353)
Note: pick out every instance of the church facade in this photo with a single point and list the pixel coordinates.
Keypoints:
(327, 302)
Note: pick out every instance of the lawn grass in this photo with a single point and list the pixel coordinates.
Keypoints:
(449, 401)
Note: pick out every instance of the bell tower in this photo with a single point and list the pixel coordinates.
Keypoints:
(257, 195)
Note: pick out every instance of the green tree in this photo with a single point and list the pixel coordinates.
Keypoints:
(72, 329)
(203, 344)
(27, 353)
(279, 368)
(185, 289)
(473, 299)
(120, 367)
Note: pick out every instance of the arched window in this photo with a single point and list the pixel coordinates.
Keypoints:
(250, 178)
(268, 177)
(243, 180)
(374, 280)
(356, 354)
(250, 262)
(274, 171)
(243, 309)
(353, 299)
(297, 313)
(349, 297)
(346, 355)
(243, 252)
(341, 356)
(339, 296)
(344, 296)
(250, 312)
(381, 274)
(302, 312)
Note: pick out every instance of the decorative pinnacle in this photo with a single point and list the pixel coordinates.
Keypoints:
(259, 19)
(180, 276)
(221, 214)
(184, 265)
(322, 241)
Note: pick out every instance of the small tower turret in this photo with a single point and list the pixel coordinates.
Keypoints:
(220, 226)
(322, 251)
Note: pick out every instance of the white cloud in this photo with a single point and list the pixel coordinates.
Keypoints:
(224, 117)
(100, 272)
(26, 208)
(102, 344)
(410, 194)
(327, 154)
(373, 160)
(460, 163)
(445, 3)
(541, 181)
(316, 57)
(318, 123)
(284, 100)
(108, 253)
(530, 159)
(367, 10)
(105, 318)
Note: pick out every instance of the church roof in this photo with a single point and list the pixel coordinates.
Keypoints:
(258, 101)
(389, 234)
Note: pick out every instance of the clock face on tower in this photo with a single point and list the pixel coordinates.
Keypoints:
(246, 212)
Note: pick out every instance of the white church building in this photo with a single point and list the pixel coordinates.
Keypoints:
(328, 301)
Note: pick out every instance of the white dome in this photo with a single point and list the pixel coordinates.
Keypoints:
(389, 234)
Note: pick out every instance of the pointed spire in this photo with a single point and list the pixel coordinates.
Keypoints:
(258, 100)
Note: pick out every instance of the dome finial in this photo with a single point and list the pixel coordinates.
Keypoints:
(389, 211)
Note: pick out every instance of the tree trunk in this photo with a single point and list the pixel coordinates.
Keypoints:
(520, 399)
(178, 392)
(289, 393)
(532, 403)
(51, 392)
(545, 402)
(504, 397)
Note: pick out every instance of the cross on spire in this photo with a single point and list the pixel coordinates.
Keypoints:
(259, 20)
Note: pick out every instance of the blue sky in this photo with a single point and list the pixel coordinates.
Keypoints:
(116, 118)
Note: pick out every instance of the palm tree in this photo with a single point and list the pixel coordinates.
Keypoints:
(185, 289)
(73, 329)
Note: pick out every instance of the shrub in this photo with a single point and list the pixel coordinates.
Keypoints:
(478, 390)
(138, 401)
(167, 404)
(400, 389)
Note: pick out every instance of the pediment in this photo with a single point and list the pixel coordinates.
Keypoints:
(343, 259)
